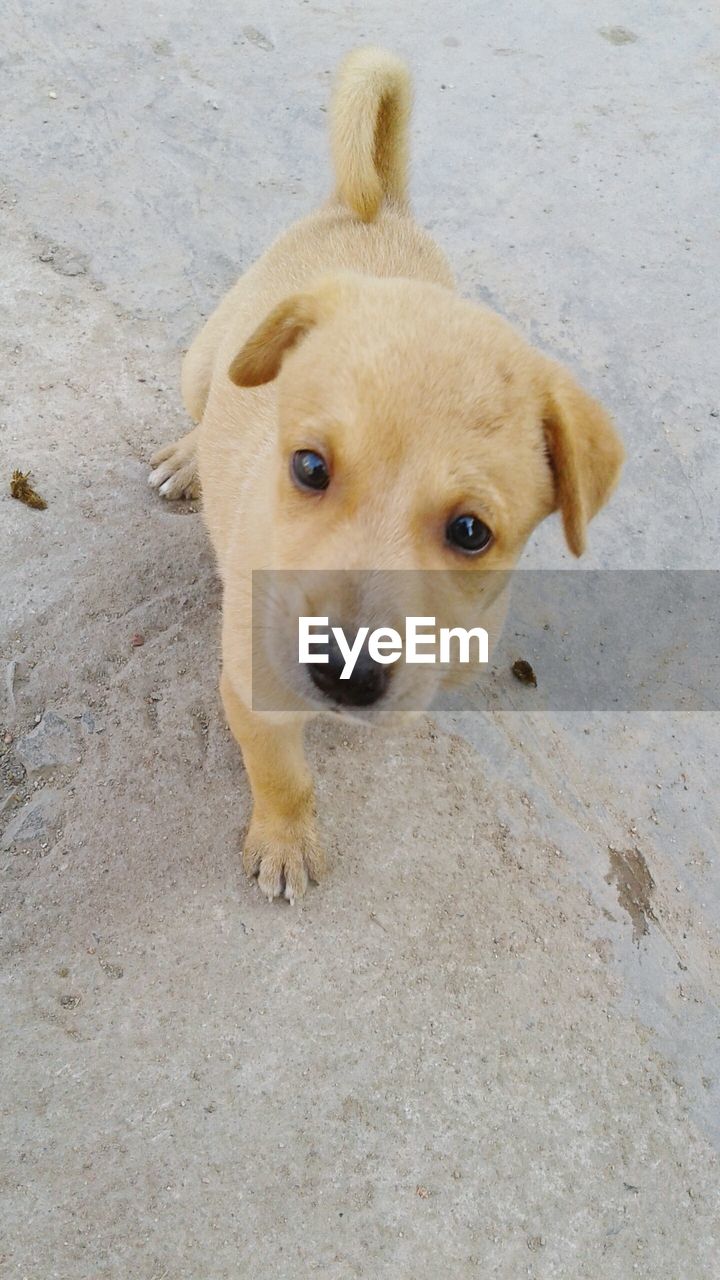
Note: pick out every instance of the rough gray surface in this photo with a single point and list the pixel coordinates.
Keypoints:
(488, 1046)
(51, 743)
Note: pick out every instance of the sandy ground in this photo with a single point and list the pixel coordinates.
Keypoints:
(488, 1045)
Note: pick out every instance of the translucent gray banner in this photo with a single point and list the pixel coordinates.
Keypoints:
(572, 640)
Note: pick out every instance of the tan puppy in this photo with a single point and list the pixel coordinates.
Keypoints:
(354, 413)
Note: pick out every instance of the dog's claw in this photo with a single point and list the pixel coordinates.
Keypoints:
(270, 880)
(157, 476)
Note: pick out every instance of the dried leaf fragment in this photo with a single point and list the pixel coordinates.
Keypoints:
(523, 672)
(21, 489)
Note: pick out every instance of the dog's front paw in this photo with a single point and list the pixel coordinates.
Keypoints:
(283, 859)
(174, 473)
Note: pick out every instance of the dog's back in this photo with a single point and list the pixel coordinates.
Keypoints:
(366, 227)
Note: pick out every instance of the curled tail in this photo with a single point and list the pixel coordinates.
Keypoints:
(370, 112)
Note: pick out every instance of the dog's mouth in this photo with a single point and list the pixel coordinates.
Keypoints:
(362, 700)
(369, 698)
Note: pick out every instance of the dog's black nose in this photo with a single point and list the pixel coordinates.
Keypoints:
(366, 683)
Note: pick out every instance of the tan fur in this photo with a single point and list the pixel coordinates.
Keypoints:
(369, 126)
(347, 337)
(586, 455)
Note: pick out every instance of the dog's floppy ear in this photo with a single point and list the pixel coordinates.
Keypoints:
(287, 324)
(585, 452)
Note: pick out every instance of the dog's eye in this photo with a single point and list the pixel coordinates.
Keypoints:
(468, 534)
(310, 470)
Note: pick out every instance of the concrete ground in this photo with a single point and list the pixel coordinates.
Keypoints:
(489, 1044)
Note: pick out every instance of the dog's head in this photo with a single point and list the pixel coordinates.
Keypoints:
(417, 432)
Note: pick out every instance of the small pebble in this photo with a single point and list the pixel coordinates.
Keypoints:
(137, 640)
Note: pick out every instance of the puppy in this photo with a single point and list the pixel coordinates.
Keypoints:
(354, 413)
